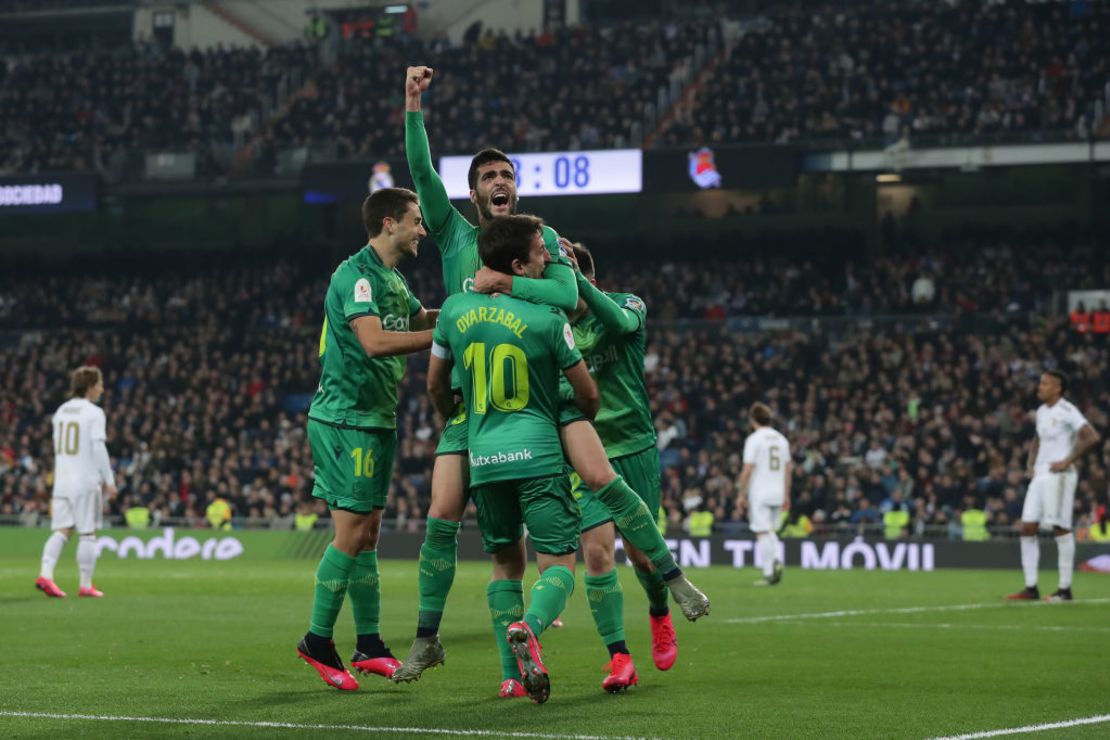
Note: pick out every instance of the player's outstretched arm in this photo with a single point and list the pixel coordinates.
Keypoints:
(586, 396)
(557, 287)
(615, 317)
(424, 319)
(377, 342)
(433, 195)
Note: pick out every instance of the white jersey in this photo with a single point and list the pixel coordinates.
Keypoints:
(769, 452)
(80, 455)
(1057, 427)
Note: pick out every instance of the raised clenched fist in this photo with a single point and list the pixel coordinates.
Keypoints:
(417, 80)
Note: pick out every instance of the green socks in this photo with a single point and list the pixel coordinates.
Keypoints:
(364, 589)
(331, 584)
(437, 573)
(606, 601)
(656, 591)
(506, 605)
(549, 597)
(637, 525)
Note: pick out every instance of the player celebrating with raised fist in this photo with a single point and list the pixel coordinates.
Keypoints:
(493, 192)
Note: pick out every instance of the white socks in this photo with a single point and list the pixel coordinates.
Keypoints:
(768, 551)
(51, 551)
(86, 558)
(1031, 558)
(1065, 547)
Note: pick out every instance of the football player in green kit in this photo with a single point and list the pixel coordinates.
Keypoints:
(510, 355)
(609, 331)
(352, 426)
(493, 192)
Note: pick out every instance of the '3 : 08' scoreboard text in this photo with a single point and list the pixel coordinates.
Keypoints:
(558, 173)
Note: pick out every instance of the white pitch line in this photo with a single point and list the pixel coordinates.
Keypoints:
(958, 626)
(296, 726)
(902, 610)
(1032, 728)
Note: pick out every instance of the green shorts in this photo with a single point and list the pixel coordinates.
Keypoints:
(453, 440)
(546, 505)
(569, 413)
(640, 471)
(353, 467)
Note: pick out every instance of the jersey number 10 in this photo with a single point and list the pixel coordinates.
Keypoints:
(500, 378)
(67, 439)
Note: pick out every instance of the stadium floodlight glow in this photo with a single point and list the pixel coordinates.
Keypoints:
(889, 177)
(559, 173)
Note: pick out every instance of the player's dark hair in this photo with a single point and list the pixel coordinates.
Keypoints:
(585, 259)
(82, 379)
(385, 203)
(761, 414)
(485, 157)
(507, 238)
(1060, 378)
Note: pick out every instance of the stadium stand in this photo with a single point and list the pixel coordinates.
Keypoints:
(926, 412)
(793, 73)
(880, 70)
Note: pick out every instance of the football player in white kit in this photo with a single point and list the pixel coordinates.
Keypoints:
(765, 480)
(81, 472)
(1063, 436)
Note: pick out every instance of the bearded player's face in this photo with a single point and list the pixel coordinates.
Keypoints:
(494, 193)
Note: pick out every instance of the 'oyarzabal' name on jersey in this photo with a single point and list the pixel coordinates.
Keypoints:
(489, 315)
(477, 461)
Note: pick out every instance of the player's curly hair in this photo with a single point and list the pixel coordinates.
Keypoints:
(82, 379)
(507, 238)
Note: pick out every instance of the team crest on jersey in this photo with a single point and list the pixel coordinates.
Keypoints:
(568, 334)
(634, 303)
(362, 291)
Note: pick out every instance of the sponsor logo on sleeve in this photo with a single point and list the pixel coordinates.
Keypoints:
(362, 291)
(568, 335)
(634, 303)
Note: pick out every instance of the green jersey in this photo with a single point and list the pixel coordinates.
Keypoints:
(457, 238)
(355, 390)
(509, 354)
(616, 360)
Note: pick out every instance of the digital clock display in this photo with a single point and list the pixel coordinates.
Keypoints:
(558, 173)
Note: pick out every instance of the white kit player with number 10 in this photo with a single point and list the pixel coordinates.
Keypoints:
(766, 482)
(82, 472)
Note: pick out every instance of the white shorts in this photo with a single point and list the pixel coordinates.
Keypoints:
(84, 512)
(1050, 499)
(763, 517)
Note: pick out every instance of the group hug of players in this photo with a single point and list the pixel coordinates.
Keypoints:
(523, 409)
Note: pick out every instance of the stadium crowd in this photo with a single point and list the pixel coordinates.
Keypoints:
(871, 69)
(208, 380)
(86, 109)
(574, 88)
(801, 71)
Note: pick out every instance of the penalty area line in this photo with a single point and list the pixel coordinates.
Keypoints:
(1032, 728)
(306, 726)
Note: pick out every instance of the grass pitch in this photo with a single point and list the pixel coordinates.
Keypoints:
(826, 654)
